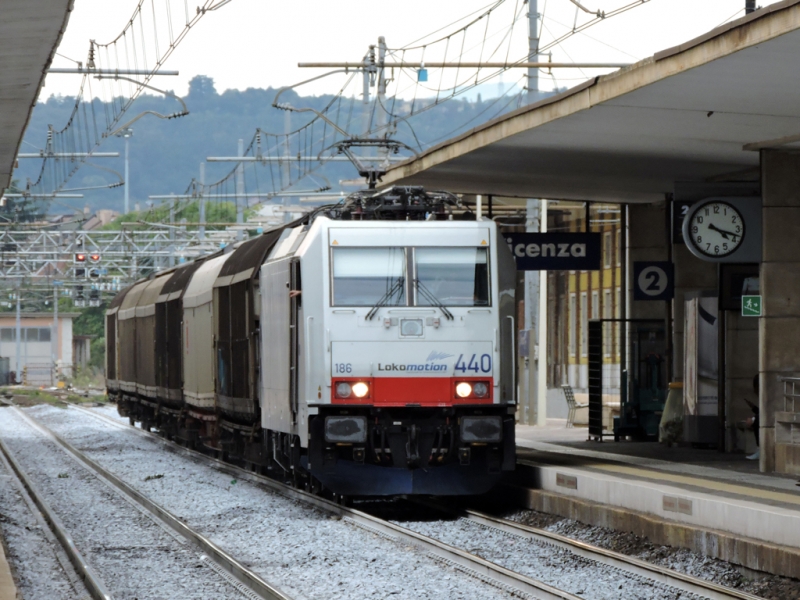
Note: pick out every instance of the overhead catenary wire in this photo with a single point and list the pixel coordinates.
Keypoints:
(480, 38)
(141, 46)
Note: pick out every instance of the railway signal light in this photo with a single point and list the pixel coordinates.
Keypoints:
(80, 299)
(80, 258)
(95, 258)
(94, 298)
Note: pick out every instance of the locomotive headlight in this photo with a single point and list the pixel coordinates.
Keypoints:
(343, 390)
(360, 389)
(463, 389)
(480, 389)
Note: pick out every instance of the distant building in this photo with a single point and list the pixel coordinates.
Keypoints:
(102, 217)
(37, 365)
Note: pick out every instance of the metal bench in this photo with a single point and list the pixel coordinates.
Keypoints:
(572, 406)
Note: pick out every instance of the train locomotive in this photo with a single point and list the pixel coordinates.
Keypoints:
(366, 349)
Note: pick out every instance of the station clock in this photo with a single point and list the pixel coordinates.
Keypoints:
(714, 229)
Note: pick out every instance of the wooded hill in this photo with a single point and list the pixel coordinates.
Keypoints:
(166, 154)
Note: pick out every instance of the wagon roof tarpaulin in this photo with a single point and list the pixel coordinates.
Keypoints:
(247, 258)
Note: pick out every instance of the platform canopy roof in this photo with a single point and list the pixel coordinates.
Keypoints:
(30, 31)
(696, 112)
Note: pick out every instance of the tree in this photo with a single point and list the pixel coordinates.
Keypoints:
(21, 209)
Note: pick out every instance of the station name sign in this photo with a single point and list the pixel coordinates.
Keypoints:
(555, 251)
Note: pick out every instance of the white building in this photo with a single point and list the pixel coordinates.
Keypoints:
(44, 354)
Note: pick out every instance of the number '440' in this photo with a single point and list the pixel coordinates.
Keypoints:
(475, 364)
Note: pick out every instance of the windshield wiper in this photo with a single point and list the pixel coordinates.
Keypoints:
(398, 285)
(428, 295)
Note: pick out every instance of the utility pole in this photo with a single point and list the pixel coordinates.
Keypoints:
(127, 133)
(171, 260)
(19, 339)
(380, 110)
(533, 50)
(54, 338)
(201, 233)
(240, 199)
(534, 409)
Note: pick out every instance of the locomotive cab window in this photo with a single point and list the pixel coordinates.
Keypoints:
(369, 276)
(451, 276)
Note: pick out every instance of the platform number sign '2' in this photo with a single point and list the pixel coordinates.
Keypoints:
(475, 364)
(653, 281)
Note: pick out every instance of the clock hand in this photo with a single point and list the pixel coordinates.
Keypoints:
(724, 233)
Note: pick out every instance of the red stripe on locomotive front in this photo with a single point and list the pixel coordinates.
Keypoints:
(402, 391)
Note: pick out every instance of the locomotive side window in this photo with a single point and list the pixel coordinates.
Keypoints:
(368, 276)
(452, 276)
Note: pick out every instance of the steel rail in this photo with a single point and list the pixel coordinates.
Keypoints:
(485, 569)
(94, 584)
(228, 563)
(475, 566)
(687, 583)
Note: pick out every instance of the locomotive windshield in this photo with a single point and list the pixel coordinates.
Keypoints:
(442, 276)
(368, 276)
(453, 276)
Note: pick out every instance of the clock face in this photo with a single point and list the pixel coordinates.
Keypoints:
(716, 229)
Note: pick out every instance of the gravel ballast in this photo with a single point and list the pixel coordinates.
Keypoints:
(29, 551)
(554, 566)
(303, 551)
(134, 556)
(771, 587)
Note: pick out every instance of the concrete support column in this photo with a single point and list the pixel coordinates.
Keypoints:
(647, 241)
(779, 328)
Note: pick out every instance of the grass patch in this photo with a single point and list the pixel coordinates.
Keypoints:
(151, 477)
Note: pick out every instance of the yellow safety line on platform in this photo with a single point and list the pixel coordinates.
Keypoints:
(705, 483)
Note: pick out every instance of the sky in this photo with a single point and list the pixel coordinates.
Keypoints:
(258, 43)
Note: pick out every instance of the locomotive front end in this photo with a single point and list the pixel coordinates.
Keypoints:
(416, 354)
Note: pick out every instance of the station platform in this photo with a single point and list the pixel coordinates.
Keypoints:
(714, 503)
(8, 591)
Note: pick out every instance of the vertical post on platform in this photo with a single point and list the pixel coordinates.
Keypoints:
(201, 234)
(529, 406)
(240, 199)
(623, 309)
(478, 207)
(535, 399)
(541, 357)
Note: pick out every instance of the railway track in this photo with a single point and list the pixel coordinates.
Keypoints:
(467, 561)
(42, 512)
(615, 560)
(238, 576)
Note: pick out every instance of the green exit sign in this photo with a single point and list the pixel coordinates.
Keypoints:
(751, 306)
